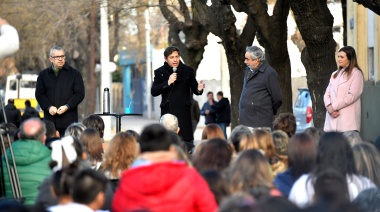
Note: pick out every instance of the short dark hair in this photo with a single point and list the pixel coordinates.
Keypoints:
(50, 129)
(96, 122)
(88, 183)
(155, 138)
(168, 51)
(62, 180)
(210, 92)
(27, 103)
(11, 101)
(220, 93)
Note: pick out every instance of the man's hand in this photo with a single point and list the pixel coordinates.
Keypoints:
(61, 110)
(201, 86)
(172, 78)
(207, 112)
(52, 110)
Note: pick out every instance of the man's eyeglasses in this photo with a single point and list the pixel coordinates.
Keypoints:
(61, 57)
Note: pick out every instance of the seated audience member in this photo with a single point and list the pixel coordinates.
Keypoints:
(302, 154)
(217, 183)
(170, 122)
(367, 161)
(75, 130)
(93, 145)
(241, 138)
(314, 133)
(88, 192)
(134, 134)
(250, 172)
(277, 203)
(52, 133)
(32, 158)
(239, 202)
(353, 137)
(178, 187)
(333, 152)
(96, 122)
(61, 183)
(264, 142)
(281, 142)
(286, 122)
(120, 154)
(331, 190)
(67, 150)
(212, 131)
(377, 143)
(368, 200)
(215, 154)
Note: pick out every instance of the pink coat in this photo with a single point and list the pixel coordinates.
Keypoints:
(344, 96)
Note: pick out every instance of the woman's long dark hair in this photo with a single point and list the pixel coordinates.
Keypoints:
(302, 154)
(351, 56)
(335, 152)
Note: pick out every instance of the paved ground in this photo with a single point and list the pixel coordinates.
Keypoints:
(137, 123)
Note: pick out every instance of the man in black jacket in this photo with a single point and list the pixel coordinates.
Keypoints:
(29, 112)
(261, 95)
(222, 110)
(59, 91)
(173, 81)
(12, 113)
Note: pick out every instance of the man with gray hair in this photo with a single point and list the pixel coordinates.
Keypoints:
(261, 95)
(32, 158)
(170, 122)
(59, 91)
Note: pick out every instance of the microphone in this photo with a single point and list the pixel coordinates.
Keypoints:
(174, 69)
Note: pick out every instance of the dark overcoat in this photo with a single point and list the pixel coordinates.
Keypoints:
(176, 97)
(66, 88)
(260, 98)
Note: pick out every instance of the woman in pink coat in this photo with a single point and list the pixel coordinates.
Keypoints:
(342, 97)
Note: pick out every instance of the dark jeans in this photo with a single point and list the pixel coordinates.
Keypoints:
(223, 125)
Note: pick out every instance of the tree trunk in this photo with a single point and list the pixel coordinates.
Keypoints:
(91, 72)
(315, 23)
(195, 33)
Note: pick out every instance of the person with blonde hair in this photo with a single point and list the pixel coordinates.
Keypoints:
(264, 142)
(241, 138)
(119, 156)
(367, 161)
(250, 171)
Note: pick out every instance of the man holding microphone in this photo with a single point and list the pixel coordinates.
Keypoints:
(173, 81)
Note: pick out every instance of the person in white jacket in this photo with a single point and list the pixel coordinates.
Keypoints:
(9, 40)
(334, 152)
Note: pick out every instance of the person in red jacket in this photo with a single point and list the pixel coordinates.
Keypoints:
(157, 181)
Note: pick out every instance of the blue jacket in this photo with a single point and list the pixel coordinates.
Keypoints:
(210, 118)
(284, 182)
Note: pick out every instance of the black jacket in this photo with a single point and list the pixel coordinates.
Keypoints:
(176, 97)
(66, 88)
(260, 98)
(222, 110)
(12, 113)
(29, 112)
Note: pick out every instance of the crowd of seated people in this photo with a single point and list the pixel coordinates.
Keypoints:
(154, 170)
